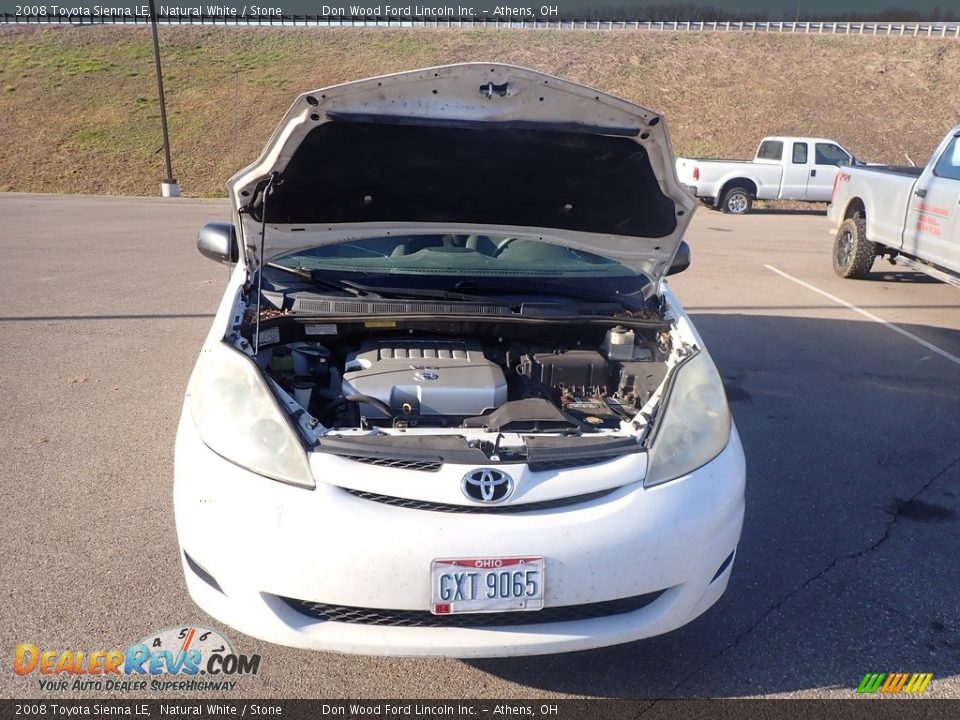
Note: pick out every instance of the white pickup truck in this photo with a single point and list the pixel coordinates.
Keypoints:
(785, 168)
(908, 214)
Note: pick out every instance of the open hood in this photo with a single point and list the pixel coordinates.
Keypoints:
(468, 148)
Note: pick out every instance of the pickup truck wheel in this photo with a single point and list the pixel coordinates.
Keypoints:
(853, 254)
(737, 201)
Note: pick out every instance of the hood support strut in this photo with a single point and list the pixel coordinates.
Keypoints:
(263, 235)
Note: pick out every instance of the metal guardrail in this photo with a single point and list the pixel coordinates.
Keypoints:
(908, 29)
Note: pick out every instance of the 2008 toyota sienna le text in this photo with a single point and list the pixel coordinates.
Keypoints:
(449, 405)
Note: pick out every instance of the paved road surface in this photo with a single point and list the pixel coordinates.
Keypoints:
(848, 563)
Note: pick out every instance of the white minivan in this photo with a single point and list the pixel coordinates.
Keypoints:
(448, 404)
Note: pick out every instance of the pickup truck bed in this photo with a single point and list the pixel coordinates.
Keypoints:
(906, 213)
(894, 169)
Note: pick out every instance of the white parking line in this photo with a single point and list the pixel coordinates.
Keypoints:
(869, 315)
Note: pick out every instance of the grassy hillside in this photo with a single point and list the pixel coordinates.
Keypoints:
(78, 109)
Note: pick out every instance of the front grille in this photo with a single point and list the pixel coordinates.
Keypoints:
(397, 463)
(433, 466)
(422, 618)
(544, 465)
(447, 508)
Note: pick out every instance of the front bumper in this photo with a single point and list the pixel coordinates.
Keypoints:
(259, 541)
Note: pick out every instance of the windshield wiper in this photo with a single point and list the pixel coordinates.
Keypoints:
(495, 296)
(487, 294)
(395, 292)
(357, 289)
(631, 301)
(310, 275)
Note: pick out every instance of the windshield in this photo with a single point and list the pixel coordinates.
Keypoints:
(462, 256)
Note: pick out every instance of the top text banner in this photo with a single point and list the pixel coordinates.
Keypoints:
(276, 11)
(427, 10)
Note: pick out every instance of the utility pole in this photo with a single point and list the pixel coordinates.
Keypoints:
(169, 187)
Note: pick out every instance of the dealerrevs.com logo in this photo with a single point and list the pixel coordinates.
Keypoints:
(178, 658)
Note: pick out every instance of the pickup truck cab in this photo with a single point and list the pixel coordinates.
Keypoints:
(906, 213)
(784, 168)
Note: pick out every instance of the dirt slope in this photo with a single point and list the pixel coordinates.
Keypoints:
(78, 109)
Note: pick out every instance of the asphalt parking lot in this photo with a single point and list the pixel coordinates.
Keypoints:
(846, 394)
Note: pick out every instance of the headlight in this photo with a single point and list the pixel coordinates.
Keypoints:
(695, 426)
(240, 420)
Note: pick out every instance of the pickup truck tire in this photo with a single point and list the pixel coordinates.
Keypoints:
(737, 201)
(853, 254)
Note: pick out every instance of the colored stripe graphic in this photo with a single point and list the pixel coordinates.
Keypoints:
(918, 682)
(894, 682)
(871, 682)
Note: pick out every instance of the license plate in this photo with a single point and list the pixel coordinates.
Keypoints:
(478, 585)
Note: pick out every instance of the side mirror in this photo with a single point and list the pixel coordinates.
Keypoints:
(681, 261)
(218, 241)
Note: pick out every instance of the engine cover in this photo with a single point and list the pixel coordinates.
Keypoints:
(425, 377)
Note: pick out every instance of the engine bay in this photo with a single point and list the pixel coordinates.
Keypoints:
(496, 376)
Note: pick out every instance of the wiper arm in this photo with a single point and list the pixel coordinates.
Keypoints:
(631, 301)
(357, 289)
(481, 294)
(424, 293)
(316, 280)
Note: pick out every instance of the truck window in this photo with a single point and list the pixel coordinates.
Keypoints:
(948, 166)
(830, 154)
(800, 153)
(770, 150)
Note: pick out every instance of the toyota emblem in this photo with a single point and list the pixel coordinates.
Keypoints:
(487, 485)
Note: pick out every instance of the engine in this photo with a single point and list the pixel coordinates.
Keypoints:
(424, 379)
(468, 379)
